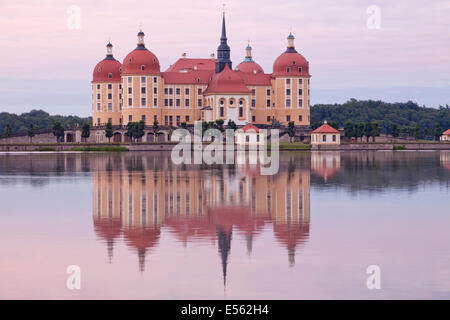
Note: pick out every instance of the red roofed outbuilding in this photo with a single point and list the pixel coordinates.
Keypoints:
(445, 135)
(249, 135)
(325, 135)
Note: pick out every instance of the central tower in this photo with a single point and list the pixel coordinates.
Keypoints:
(223, 50)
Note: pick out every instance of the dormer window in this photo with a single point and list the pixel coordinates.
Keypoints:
(99, 69)
(110, 75)
(142, 67)
(131, 59)
(288, 69)
(300, 69)
(293, 63)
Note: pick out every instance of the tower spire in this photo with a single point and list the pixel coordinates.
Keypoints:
(291, 46)
(223, 51)
(141, 44)
(109, 55)
(248, 53)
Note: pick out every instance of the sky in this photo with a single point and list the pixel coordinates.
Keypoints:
(399, 52)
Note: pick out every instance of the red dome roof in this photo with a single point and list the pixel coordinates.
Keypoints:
(293, 60)
(140, 61)
(250, 67)
(227, 81)
(107, 70)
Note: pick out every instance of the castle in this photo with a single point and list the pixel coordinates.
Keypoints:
(194, 90)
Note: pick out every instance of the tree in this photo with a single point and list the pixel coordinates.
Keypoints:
(291, 130)
(31, 132)
(425, 133)
(7, 132)
(131, 127)
(360, 128)
(437, 132)
(140, 127)
(368, 130)
(349, 129)
(135, 130)
(58, 131)
(416, 132)
(219, 125)
(334, 124)
(375, 130)
(395, 130)
(20, 123)
(85, 131)
(109, 131)
(407, 114)
(231, 125)
(155, 129)
(316, 124)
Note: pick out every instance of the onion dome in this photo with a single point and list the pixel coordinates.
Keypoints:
(227, 81)
(249, 65)
(291, 63)
(108, 69)
(140, 60)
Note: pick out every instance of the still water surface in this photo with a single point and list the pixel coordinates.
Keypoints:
(140, 227)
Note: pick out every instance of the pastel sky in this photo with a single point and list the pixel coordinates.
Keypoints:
(42, 60)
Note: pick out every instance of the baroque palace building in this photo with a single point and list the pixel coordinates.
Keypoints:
(194, 90)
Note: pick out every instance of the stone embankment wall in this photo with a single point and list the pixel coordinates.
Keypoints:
(383, 146)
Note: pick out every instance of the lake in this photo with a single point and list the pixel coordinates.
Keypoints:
(138, 226)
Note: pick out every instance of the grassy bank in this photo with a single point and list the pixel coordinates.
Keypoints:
(292, 146)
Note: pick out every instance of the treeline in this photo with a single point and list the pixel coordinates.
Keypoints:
(392, 118)
(38, 118)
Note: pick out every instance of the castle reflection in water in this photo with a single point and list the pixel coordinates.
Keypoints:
(136, 198)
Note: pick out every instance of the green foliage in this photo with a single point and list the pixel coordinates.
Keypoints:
(437, 131)
(109, 131)
(58, 131)
(219, 125)
(291, 130)
(403, 115)
(395, 130)
(135, 130)
(231, 125)
(155, 129)
(7, 132)
(399, 148)
(85, 131)
(43, 120)
(31, 132)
